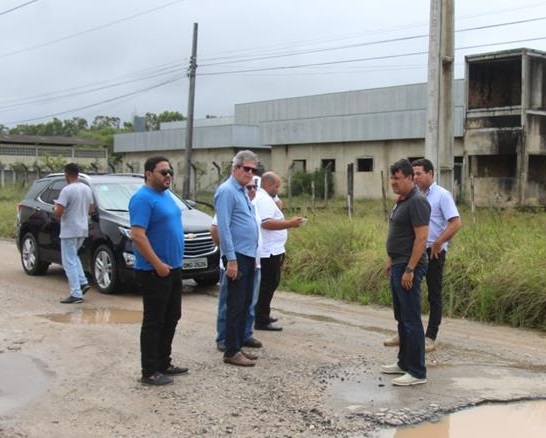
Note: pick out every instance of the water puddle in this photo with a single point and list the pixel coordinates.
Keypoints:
(523, 419)
(97, 316)
(22, 380)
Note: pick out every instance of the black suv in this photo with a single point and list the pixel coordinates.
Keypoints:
(107, 253)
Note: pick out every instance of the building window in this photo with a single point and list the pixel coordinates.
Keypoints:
(299, 166)
(412, 159)
(364, 164)
(328, 161)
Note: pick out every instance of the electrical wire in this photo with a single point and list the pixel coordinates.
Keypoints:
(94, 29)
(7, 11)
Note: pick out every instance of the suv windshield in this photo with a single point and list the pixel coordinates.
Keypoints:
(116, 196)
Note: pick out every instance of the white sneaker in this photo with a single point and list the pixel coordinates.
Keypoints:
(393, 341)
(408, 380)
(430, 345)
(392, 369)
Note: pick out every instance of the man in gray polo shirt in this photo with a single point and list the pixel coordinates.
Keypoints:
(406, 266)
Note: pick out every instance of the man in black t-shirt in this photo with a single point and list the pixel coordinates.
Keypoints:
(406, 267)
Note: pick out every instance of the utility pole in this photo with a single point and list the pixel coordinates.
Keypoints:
(439, 126)
(189, 120)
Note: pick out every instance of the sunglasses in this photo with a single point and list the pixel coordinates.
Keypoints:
(166, 172)
(249, 188)
(249, 169)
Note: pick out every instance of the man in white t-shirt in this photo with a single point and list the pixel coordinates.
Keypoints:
(274, 234)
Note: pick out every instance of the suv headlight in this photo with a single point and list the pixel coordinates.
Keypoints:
(125, 232)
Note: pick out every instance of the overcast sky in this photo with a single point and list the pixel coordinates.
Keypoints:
(67, 58)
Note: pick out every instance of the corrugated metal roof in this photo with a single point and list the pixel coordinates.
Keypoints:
(210, 137)
(47, 140)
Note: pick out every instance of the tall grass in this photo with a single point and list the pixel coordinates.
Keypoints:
(494, 269)
(10, 195)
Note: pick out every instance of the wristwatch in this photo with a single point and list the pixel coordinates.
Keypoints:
(408, 270)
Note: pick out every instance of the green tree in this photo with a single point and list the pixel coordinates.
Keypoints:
(101, 122)
(153, 121)
(72, 127)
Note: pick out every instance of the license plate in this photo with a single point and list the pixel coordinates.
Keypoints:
(199, 263)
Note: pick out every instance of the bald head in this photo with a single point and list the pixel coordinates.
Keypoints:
(271, 182)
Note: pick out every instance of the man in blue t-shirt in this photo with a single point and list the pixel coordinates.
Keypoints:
(158, 243)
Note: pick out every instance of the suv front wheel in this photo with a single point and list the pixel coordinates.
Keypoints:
(30, 256)
(104, 270)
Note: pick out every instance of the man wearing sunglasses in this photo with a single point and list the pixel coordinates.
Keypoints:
(238, 234)
(249, 340)
(158, 242)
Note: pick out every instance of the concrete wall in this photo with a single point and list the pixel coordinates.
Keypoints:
(366, 184)
(30, 155)
(207, 173)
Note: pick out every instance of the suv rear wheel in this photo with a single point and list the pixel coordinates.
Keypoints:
(104, 270)
(30, 256)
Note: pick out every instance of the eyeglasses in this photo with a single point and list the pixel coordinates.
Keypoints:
(249, 188)
(249, 169)
(166, 172)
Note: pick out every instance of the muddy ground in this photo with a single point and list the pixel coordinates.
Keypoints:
(73, 370)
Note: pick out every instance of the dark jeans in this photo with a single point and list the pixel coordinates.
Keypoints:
(271, 277)
(162, 308)
(239, 299)
(435, 275)
(407, 311)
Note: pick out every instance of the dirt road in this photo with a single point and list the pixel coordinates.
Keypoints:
(73, 370)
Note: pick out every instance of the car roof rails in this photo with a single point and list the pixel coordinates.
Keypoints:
(56, 174)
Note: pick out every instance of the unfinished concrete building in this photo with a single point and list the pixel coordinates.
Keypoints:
(505, 128)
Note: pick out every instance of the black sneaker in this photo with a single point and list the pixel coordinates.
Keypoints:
(85, 288)
(72, 300)
(174, 371)
(156, 379)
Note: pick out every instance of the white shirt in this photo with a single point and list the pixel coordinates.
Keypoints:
(442, 209)
(272, 240)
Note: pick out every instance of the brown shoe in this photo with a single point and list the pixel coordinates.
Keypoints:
(240, 360)
(249, 355)
(430, 345)
(393, 341)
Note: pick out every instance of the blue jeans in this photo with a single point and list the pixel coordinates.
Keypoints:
(222, 307)
(72, 264)
(239, 298)
(407, 311)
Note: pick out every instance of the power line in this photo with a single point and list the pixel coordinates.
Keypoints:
(374, 58)
(85, 89)
(93, 29)
(122, 96)
(364, 44)
(7, 11)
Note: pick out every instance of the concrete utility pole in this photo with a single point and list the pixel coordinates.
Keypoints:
(439, 127)
(189, 120)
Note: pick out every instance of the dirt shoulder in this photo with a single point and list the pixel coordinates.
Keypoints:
(319, 377)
